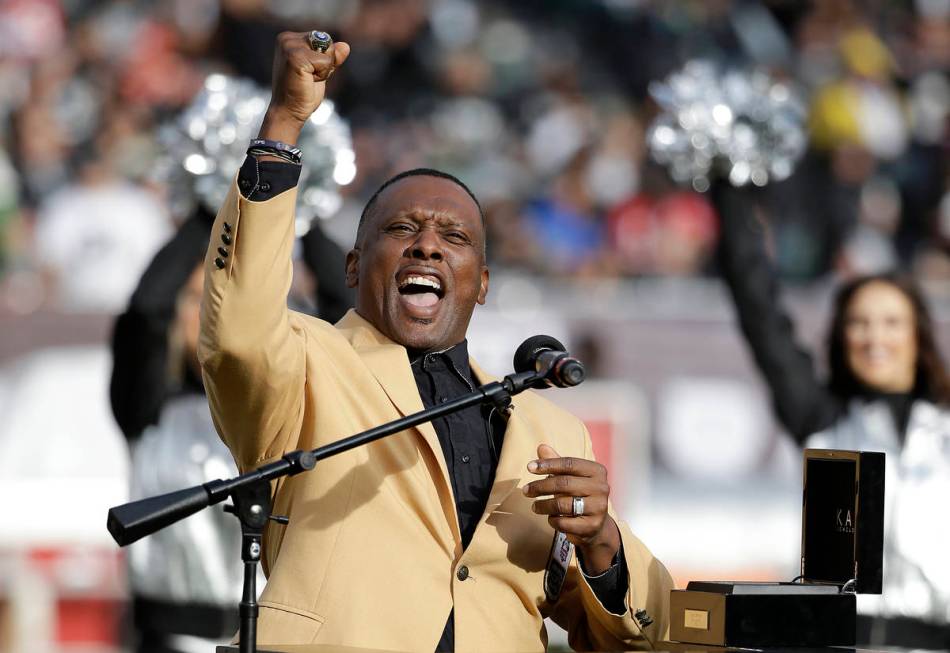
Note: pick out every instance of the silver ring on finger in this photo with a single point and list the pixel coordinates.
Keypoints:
(577, 506)
(319, 41)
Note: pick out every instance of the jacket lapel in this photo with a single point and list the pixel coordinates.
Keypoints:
(519, 448)
(388, 362)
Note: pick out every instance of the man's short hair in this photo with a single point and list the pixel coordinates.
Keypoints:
(416, 172)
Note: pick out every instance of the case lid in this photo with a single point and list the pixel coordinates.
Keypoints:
(758, 589)
(843, 518)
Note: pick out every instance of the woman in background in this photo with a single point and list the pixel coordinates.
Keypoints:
(887, 390)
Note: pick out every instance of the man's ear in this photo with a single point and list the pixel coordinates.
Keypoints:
(483, 287)
(353, 268)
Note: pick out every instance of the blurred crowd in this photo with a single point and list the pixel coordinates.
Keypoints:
(541, 106)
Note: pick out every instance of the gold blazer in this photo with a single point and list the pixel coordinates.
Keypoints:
(371, 553)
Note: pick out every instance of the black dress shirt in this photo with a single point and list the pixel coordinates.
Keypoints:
(471, 439)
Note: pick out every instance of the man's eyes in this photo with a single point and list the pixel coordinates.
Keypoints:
(453, 236)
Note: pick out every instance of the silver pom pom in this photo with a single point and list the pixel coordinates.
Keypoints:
(204, 147)
(739, 123)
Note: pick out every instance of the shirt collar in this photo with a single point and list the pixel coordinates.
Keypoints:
(457, 354)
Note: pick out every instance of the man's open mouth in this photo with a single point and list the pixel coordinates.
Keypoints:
(421, 290)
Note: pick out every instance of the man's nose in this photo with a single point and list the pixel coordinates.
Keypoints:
(427, 246)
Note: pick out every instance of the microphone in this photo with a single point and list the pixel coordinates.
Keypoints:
(546, 356)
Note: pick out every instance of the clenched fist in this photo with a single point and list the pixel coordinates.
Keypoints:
(298, 84)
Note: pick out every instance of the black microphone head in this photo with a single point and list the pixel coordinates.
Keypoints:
(527, 353)
(572, 373)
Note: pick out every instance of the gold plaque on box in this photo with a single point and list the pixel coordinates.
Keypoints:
(698, 619)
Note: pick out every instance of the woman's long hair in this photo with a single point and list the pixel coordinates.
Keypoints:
(930, 379)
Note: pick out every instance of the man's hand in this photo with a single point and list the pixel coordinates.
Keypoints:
(594, 533)
(298, 84)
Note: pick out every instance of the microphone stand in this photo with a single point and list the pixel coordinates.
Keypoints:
(251, 495)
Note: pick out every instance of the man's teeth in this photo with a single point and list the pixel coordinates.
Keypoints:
(421, 281)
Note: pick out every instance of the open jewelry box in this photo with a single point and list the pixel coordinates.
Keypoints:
(842, 552)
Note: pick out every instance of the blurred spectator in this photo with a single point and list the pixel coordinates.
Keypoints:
(30, 29)
(94, 238)
(541, 107)
(568, 229)
(8, 207)
(670, 236)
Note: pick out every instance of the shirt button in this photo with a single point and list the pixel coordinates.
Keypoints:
(227, 227)
(443, 400)
(265, 186)
(223, 252)
(244, 184)
(219, 262)
(462, 573)
(466, 458)
(226, 239)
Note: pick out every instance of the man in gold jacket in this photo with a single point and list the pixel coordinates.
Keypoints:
(439, 537)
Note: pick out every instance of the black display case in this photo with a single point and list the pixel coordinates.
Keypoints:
(842, 554)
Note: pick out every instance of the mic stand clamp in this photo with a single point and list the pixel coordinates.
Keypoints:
(499, 393)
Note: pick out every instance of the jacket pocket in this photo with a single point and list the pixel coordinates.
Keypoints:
(286, 624)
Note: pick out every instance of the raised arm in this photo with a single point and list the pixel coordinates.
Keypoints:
(801, 401)
(251, 348)
(139, 384)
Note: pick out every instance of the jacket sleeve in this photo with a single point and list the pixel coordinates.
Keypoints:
(251, 346)
(645, 620)
(139, 384)
(802, 403)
